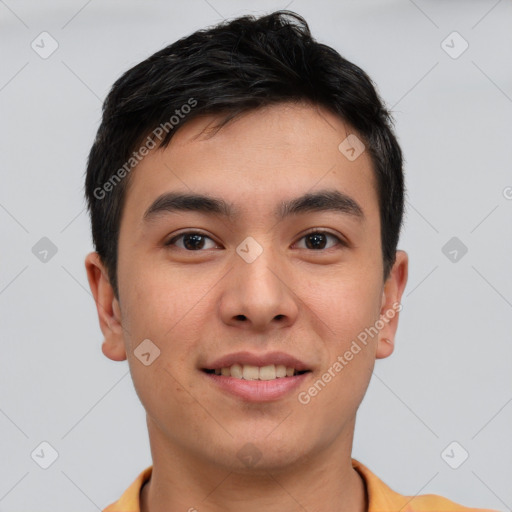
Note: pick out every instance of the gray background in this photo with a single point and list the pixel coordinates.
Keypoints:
(449, 378)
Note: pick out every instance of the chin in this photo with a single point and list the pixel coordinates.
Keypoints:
(265, 453)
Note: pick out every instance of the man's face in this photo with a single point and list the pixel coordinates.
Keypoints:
(305, 284)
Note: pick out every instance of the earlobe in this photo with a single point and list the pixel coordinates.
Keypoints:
(107, 306)
(113, 350)
(385, 348)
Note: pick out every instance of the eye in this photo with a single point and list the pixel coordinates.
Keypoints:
(192, 241)
(195, 240)
(316, 240)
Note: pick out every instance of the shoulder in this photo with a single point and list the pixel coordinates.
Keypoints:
(130, 499)
(433, 502)
(381, 498)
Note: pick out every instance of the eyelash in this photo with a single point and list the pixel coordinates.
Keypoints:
(313, 231)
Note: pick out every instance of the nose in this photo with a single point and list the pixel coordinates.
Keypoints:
(258, 295)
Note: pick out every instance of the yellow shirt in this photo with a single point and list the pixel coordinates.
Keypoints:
(381, 498)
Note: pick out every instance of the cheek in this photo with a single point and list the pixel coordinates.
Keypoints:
(162, 392)
(159, 300)
(170, 309)
(346, 303)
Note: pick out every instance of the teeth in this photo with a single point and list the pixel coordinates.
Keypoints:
(236, 371)
(268, 372)
(280, 371)
(250, 372)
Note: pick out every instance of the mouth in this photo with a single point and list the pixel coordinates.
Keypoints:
(257, 377)
(252, 372)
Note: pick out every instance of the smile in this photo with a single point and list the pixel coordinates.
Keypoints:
(251, 372)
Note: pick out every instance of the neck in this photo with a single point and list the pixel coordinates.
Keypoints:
(325, 481)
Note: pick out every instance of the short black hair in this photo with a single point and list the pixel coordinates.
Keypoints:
(229, 69)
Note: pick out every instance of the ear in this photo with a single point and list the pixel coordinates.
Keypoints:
(390, 305)
(109, 312)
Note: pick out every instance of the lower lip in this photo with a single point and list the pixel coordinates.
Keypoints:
(258, 390)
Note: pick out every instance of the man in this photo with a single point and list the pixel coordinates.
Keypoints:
(246, 196)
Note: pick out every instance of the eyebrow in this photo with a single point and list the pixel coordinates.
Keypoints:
(324, 200)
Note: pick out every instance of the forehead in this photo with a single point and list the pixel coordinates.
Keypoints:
(276, 152)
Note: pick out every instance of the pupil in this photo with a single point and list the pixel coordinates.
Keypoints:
(195, 239)
(316, 237)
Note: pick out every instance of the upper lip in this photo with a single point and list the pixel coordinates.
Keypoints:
(257, 360)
